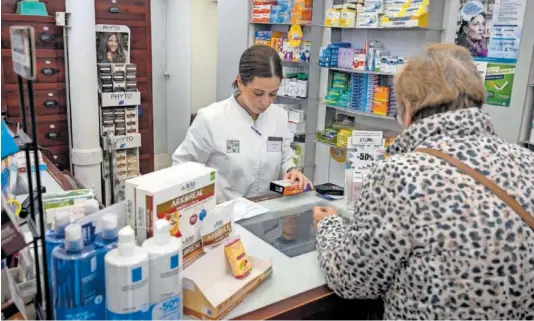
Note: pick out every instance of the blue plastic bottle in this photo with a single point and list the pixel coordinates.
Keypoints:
(55, 238)
(76, 294)
(105, 241)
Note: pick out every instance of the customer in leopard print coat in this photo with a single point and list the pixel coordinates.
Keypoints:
(429, 240)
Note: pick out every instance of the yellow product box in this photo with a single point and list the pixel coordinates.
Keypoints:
(347, 18)
(343, 137)
(333, 18)
(183, 201)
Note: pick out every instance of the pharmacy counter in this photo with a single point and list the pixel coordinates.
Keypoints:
(295, 281)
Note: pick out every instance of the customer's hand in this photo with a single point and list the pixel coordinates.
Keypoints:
(320, 213)
(296, 175)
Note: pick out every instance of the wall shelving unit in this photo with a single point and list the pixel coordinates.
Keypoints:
(312, 32)
(403, 41)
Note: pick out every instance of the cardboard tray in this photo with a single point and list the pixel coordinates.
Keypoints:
(211, 293)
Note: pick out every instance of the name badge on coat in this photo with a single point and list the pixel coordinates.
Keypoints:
(232, 146)
(274, 144)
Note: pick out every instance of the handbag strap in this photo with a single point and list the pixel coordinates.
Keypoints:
(477, 176)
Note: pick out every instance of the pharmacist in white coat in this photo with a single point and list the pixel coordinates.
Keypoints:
(245, 137)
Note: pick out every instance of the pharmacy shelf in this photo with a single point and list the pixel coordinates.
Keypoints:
(330, 145)
(282, 24)
(355, 71)
(298, 63)
(292, 98)
(385, 28)
(359, 113)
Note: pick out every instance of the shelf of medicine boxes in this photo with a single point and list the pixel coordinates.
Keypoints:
(283, 24)
(386, 28)
(354, 112)
(330, 145)
(355, 71)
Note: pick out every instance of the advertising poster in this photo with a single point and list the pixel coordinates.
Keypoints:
(112, 44)
(491, 29)
(499, 82)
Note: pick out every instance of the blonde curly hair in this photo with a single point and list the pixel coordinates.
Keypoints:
(444, 75)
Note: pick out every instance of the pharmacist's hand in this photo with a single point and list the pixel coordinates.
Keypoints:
(320, 213)
(297, 176)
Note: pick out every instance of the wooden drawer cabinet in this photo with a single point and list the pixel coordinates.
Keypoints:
(59, 155)
(51, 130)
(47, 35)
(138, 57)
(46, 101)
(50, 67)
(123, 10)
(138, 37)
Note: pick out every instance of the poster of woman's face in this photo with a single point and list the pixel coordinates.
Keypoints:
(473, 26)
(112, 44)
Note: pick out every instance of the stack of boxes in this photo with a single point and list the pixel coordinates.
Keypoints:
(329, 55)
(343, 15)
(378, 14)
(405, 13)
(372, 57)
(381, 100)
(294, 84)
(340, 93)
(360, 87)
(282, 11)
(279, 42)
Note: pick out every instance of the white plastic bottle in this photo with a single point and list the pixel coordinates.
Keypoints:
(127, 282)
(165, 253)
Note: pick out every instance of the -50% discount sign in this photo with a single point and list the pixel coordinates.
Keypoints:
(365, 147)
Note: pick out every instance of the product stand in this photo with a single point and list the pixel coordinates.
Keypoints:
(402, 41)
(118, 146)
(313, 33)
(35, 214)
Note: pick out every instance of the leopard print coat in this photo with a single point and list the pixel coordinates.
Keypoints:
(432, 242)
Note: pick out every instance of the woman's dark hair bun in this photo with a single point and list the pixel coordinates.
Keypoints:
(259, 61)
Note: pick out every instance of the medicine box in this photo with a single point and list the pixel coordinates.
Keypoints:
(130, 187)
(286, 187)
(182, 200)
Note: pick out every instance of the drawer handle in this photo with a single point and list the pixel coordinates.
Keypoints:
(52, 135)
(50, 103)
(114, 10)
(58, 165)
(48, 71)
(44, 37)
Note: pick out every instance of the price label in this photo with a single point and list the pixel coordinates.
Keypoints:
(365, 147)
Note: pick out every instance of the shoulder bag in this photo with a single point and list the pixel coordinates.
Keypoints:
(477, 176)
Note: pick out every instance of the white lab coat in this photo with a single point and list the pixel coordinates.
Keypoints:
(247, 156)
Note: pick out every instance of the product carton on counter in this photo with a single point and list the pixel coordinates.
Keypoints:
(210, 291)
(187, 194)
(130, 186)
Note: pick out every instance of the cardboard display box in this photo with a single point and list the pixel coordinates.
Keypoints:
(210, 291)
(182, 200)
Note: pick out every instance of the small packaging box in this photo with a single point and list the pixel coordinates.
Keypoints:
(131, 69)
(286, 187)
(119, 70)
